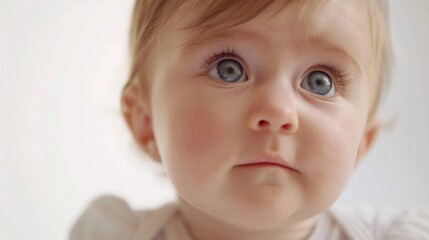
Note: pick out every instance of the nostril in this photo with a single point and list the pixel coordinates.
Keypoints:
(264, 123)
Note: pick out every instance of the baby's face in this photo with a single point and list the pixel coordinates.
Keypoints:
(272, 89)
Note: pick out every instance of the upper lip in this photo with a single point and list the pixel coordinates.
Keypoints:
(269, 159)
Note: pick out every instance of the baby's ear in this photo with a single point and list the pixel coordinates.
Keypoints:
(137, 114)
(368, 139)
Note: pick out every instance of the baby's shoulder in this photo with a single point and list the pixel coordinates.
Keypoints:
(110, 217)
(368, 222)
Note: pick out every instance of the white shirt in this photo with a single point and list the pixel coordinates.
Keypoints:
(109, 218)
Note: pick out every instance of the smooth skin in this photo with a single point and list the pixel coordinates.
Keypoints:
(204, 130)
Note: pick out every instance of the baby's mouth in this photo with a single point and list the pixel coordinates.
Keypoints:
(268, 161)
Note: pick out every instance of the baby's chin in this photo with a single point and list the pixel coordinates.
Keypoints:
(258, 212)
(260, 215)
(264, 219)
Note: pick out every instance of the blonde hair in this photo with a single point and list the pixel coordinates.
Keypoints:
(150, 16)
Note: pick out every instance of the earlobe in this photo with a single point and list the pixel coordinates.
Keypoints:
(138, 117)
(368, 139)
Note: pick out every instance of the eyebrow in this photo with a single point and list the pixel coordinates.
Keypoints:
(203, 39)
(328, 45)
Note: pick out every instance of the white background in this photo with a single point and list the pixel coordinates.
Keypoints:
(63, 141)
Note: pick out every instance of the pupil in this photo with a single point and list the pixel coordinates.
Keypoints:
(320, 82)
(229, 70)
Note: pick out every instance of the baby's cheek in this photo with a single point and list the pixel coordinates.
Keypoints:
(194, 132)
(328, 159)
(194, 137)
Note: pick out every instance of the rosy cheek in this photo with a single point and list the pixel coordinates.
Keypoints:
(328, 153)
(194, 132)
(194, 139)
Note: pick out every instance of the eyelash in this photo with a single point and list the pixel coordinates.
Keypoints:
(341, 77)
(226, 53)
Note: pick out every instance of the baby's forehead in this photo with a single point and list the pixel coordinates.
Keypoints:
(304, 17)
(333, 25)
(223, 14)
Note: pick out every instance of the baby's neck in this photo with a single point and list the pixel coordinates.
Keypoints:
(204, 227)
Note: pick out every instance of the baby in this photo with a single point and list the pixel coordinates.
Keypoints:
(259, 112)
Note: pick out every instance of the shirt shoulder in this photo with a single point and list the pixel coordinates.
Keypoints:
(110, 217)
(365, 222)
(410, 224)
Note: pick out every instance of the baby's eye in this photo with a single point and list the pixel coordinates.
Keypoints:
(228, 70)
(320, 83)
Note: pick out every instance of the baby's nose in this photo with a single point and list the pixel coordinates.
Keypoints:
(275, 117)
